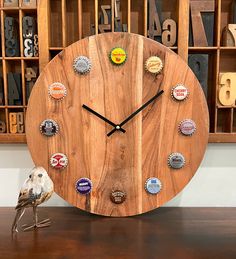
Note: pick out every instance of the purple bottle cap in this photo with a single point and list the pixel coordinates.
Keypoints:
(83, 186)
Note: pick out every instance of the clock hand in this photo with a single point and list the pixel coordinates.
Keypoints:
(136, 112)
(117, 127)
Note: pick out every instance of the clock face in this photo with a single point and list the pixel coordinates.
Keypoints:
(131, 119)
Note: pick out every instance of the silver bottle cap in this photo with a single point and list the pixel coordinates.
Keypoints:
(176, 160)
(82, 65)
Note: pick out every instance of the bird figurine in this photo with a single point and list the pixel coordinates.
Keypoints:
(37, 189)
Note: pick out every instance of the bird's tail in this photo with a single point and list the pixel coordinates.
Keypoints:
(19, 213)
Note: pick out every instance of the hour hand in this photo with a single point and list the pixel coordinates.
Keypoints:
(117, 127)
(136, 112)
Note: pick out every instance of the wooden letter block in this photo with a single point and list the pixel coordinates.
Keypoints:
(154, 30)
(36, 46)
(118, 18)
(30, 76)
(11, 37)
(20, 122)
(227, 89)
(199, 64)
(13, 122)
(14, 89)
(229, 35)
(11, 3)
(16, 121)
(29, 31)
(169, 33)
(104, 28)
(105, 19)
(2, 127)
(29, 3)
(28, 48)
(202, 16)
(28, 27)
(105, 10)
(118, 26)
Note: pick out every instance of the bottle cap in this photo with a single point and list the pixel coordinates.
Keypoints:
(83, 186)
(49, 128)
(176, 160)
(187, 127)
(57, 91)
(153, 185)
(179, 92)
(82, 65)
(154, 65)
(118, 196)
(118, 56)
(58, 161)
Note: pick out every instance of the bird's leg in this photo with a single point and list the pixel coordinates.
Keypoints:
(42, 224)
(19, 214)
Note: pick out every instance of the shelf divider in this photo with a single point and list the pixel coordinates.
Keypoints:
(43, 33)
(80, 20)
(64, 25)
(183, 29)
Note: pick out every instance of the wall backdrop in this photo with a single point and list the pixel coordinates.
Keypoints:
(214, 184)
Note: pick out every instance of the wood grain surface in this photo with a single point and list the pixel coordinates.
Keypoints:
(122, 161)
(191, 233)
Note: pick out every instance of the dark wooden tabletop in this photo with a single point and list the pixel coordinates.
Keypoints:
(164, 233)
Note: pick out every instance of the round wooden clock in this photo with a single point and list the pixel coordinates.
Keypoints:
(120, 122)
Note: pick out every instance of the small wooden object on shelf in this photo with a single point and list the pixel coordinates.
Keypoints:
(16, 120)
(13, 122)
(14, 89)
(105, 19)
(227, 89)
(11, 37)
(105, 9)
(202, 33)
(2, 127)
(30, 76)
(229, 35)
(20, 122)
(154, 31)
(29, 3)
(199, 64)
(169, 33)
(36, 45)
(10, 3)
(29, 31)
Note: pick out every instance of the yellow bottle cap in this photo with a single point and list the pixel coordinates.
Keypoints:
(118, 56)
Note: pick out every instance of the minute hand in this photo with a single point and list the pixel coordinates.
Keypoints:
(136, 112)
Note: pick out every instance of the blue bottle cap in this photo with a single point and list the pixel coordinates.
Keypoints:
(83, 186)
(153, 185)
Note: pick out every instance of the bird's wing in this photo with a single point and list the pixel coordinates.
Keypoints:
(27, 197)
(44, 197)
